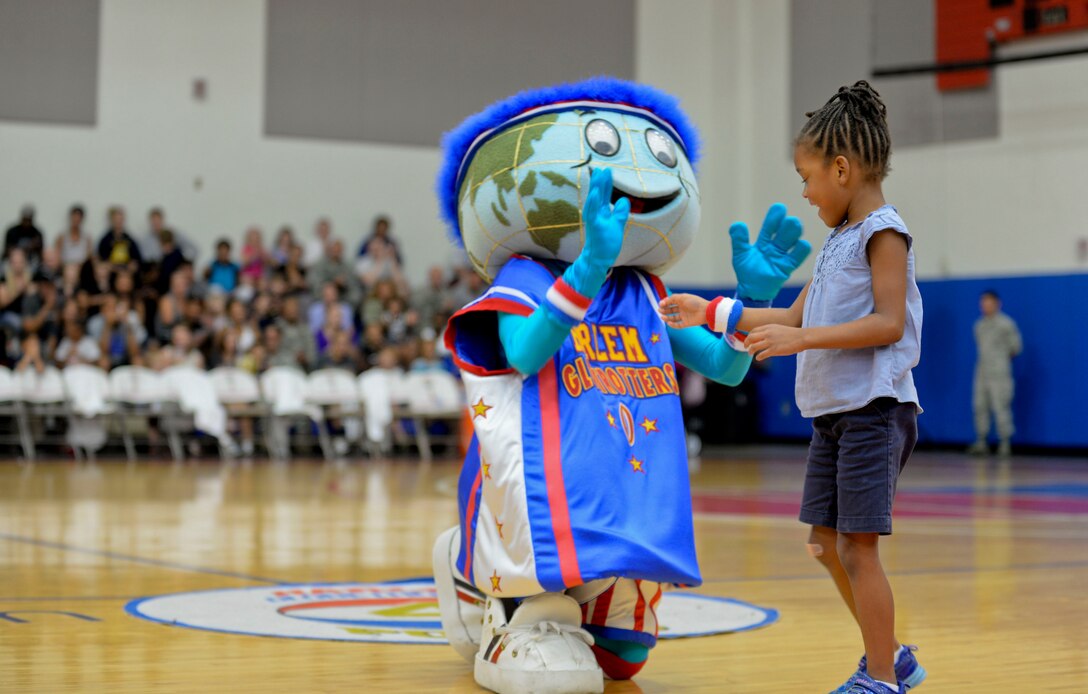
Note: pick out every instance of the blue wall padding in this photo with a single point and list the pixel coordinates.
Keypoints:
(1051, 403)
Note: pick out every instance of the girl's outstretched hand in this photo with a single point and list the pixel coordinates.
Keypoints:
(774, 341)
(682, 310)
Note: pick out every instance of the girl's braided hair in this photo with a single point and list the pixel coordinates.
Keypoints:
(853, 122)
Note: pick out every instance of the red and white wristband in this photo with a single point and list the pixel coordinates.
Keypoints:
(566, 303)
(722, 316)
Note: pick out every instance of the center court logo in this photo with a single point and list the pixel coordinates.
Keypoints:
(397, 612)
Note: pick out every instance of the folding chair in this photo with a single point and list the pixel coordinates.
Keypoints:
(45, 399)
(284, 389)
(198, 403)
(11, 404)
(88, 389)
(240, 393)
(140, 392)
(433, 396)
(380, 391)
(335, 392)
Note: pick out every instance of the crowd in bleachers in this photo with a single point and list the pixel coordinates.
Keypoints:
(150, 299)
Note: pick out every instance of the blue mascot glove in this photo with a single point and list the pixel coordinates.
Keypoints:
(604, 224)
(762, 269)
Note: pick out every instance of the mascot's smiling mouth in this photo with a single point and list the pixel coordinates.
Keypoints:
(643, 205)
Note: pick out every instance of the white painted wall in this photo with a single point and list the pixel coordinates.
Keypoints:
(1011, 205)
(728, 63)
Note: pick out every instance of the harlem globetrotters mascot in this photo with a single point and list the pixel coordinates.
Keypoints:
(575, 508)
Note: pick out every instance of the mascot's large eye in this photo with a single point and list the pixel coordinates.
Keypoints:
(603, 137)
(661, 146)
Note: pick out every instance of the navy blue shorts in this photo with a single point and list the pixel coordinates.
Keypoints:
(854, 462)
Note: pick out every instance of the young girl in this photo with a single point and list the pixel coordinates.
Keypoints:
(856, 329)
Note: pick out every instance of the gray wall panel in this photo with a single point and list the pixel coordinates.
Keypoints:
(404, 72)
(49, 60)
(837, 42)
(830, 49)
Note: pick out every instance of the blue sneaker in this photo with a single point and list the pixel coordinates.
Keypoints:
(907, 670)
(863, 684)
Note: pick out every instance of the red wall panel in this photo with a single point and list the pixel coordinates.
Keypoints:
(965, 29)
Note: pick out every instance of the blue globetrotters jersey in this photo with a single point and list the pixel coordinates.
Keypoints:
(578, 472)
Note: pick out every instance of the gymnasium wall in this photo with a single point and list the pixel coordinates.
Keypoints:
(992, 206)
(1006, 207)
(920, 112)
(403, 72)
(208, 163)
(214, 168)
(1002, 212)
(211, 163)
(1050, 374)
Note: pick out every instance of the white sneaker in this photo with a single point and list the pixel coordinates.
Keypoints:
(542, 649)
(459, 603)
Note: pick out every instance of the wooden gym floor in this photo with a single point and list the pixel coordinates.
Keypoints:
(989, 564)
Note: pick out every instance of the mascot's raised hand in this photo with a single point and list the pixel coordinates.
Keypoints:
(763, 268)
(604, 228)
(604, 222)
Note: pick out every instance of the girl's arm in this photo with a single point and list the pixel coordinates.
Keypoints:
(687, 310)
(887, 251)
(701, 350)
(752, 318)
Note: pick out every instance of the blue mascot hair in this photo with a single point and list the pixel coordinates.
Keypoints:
(456, 143)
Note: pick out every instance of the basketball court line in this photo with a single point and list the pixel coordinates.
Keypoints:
(136, 559)
(65, 598)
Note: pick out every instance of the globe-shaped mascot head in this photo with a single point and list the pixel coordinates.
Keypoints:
(515, 176)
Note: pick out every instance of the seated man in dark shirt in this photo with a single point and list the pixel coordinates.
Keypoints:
(26, 236)
(117, 247)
